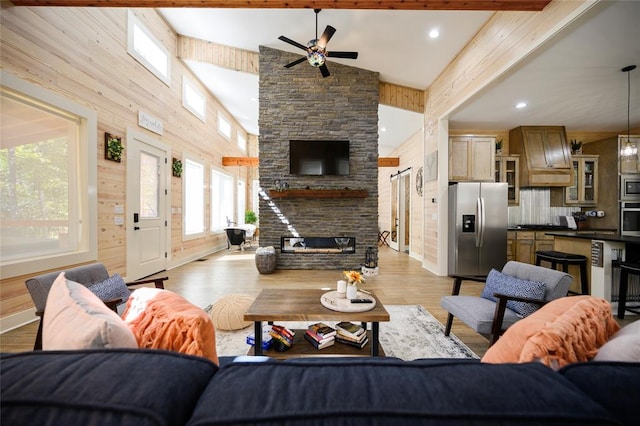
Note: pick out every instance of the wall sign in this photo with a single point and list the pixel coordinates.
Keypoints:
(149, 122)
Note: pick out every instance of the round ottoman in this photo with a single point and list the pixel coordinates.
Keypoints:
(266, 259)
(228, 312)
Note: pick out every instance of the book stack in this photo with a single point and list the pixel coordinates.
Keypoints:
(266, 339)
(351, 334)
(320, 335)
(282, 337)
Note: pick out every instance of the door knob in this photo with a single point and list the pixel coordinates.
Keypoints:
(136, 228)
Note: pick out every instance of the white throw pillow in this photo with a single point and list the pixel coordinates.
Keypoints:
(75, 318)
(623, 346)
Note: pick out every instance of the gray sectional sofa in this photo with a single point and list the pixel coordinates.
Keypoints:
(151, 387)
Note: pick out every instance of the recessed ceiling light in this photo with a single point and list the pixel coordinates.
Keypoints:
(383, 129)
(521, 105)
(434, 33)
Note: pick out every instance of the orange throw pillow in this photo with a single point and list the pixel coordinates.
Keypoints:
(161, 319)
(566, 330)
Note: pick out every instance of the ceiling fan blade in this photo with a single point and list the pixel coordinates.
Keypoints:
(293, 43)
(324, 70)
(326, 36)
(296, 62)
(347, 55)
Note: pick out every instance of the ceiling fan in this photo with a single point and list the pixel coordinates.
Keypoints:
(316, 49)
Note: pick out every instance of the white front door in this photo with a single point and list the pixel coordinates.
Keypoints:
(147, 195)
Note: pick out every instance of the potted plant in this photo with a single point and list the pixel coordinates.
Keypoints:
(576, 147)
(250, 217)
(498, 145)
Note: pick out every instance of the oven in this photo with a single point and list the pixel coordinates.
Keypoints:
(630, 218)
(630, 187)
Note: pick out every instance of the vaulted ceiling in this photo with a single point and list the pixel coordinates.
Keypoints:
(573, 79)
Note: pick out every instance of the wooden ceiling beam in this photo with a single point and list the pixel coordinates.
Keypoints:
(388, 161)
(488, 5)
(240, 161)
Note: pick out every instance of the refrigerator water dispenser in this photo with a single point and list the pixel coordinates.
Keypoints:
(468, 223)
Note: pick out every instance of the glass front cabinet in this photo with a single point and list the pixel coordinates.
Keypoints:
(508, 170)
(584, 191)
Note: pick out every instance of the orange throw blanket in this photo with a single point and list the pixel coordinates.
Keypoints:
(170, 322)
(564, 331)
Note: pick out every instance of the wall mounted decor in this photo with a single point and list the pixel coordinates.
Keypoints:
(176, 167)
(113, 147)
(431, 167)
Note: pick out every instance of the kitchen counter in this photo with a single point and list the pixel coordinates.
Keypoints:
(595, 235)
(604, 250)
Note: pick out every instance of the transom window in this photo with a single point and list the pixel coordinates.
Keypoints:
(242, 141)
(146, 49)
(193, 99)
(224, 127)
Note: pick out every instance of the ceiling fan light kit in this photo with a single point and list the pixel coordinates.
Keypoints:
(317, 49)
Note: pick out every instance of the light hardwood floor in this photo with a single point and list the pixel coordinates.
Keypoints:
(402, 281)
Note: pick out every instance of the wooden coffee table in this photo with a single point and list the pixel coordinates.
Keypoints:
(304, 305)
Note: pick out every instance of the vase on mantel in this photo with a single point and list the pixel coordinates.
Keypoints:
(352, 291)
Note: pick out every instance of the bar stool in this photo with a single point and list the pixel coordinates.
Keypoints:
(626, 269)
(566, 259)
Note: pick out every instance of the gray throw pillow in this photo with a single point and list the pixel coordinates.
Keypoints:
(497, 282)
(113, 287)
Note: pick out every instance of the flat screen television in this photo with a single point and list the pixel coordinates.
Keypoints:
(318, 158)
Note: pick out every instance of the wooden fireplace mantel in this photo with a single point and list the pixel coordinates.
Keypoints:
(320, 193)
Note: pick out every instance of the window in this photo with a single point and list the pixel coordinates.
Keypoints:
(193, 198)
(242, 204)
(147, 50)
(221, 200)
(242, 141)
(48, 180)
(193, 99)
(224, 127)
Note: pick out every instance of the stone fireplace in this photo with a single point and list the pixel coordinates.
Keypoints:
(299, 104)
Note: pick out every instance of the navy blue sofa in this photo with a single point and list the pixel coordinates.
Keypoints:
(149, 387)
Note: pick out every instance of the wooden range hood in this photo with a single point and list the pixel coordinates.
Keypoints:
(546, 154)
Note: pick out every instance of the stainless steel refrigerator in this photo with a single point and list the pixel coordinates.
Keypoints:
(477, 227)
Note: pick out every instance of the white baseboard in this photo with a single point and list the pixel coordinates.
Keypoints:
(11, 322)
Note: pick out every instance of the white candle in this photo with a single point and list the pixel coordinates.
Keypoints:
(342, 289)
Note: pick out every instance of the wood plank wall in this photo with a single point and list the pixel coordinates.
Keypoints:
(81, 54)
(501, 43)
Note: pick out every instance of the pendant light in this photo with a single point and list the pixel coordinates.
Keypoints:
(629, 149)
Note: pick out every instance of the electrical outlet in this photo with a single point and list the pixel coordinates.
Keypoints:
(118, 220)
(118, 209)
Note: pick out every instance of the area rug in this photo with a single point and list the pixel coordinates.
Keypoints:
(412, 333)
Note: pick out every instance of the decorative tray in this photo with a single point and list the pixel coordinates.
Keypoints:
(330, 301)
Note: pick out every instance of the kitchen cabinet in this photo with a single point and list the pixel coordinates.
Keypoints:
(511, 245)
(545, 153)
(471, 158)
(584, 191)
(542, 242)
(508, 170)
(524, 244)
